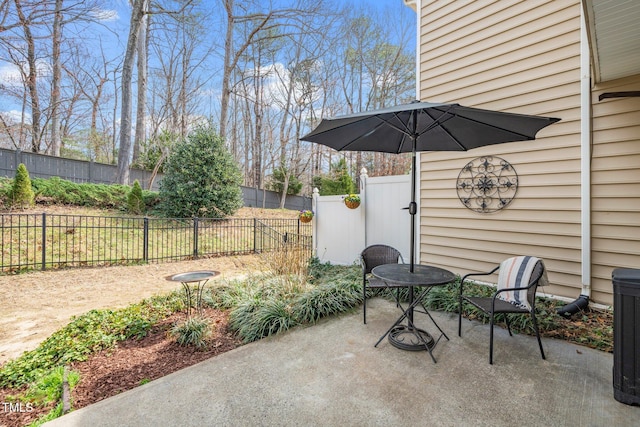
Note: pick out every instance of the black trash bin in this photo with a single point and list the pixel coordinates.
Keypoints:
(626, 335)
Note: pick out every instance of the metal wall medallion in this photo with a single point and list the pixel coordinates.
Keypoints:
(487, 184)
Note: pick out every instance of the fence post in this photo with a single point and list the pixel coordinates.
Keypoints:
(195, 237)
(44, 240)
(314, 220)
(363, 194)
(145, 240)
(255, 236)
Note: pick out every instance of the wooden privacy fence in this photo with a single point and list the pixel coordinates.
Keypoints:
(42, 241)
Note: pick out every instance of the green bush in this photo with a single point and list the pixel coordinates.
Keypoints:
(115, 196)
(261, 306)
(201, 178)
(337, 181)
(61, 191)
(135, 201)
(192, 332)
(21, 194)
(48, 388)
(253, 320)
(5, 190)
(276, 181)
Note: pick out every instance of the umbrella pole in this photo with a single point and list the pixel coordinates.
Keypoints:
(412, 211)
(413, 208)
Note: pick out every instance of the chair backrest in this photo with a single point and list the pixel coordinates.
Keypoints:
(513, 272)
(375, 255)
(536, 275)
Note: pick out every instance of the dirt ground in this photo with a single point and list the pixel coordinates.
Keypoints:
(36, 304)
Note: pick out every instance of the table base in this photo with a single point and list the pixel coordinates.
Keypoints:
(412, 339)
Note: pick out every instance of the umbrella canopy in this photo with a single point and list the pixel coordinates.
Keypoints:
(424, 126)
(432, 126)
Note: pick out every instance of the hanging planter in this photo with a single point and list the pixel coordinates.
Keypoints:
(352, 201)
(306, 216)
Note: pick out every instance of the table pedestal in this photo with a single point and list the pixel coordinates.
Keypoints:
(412, 339)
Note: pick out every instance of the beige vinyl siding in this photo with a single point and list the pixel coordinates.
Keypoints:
(521, 57)
(615, 184)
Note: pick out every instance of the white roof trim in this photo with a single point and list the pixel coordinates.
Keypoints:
(614, 37)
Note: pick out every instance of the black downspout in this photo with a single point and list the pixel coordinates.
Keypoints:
(573, 307)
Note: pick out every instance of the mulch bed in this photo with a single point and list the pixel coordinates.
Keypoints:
(130, 364)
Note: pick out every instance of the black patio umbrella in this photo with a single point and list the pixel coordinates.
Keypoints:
(424, 126)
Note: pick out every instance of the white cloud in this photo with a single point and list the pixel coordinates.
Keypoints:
(275, 79)
(10, 75)
(15, 116)
(106, 15)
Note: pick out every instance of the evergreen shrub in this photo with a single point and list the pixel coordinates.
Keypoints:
(21, 194)
(135, 200)
(201, 178)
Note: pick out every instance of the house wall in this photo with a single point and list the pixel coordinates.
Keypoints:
(524, 57)
(521, 57)
(615, 183)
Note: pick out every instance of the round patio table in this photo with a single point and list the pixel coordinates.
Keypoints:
(200, 278)
(407, 336)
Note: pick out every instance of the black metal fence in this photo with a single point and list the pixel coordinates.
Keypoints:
(43, 241)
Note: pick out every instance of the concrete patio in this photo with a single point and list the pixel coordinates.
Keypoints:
(330, 374)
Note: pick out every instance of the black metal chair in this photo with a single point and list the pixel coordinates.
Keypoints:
(371, 257)
(495, 305)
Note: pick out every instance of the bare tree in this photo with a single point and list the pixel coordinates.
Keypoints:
(138, 12)
(141, 111)
(259, 22)
(181, 49)
(31, 77)
(91, 76)
(124, 148)
(32, 40)
(256, 26)
(54, 147)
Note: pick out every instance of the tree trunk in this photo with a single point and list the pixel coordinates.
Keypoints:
(142, 84)
(31, 79)
(54, 147)
(124, 150)
(227, 68)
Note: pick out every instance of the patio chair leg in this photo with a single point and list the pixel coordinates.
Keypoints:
(491, 343)
(506, 319)
(364, 304)
(535, 327)
(460, 318)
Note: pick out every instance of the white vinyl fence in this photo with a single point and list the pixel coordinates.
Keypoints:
(340, 233)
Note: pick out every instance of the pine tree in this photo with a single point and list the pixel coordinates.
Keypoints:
(21, 194)
(135, 202)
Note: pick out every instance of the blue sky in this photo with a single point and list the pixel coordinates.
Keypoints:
(116, 26)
